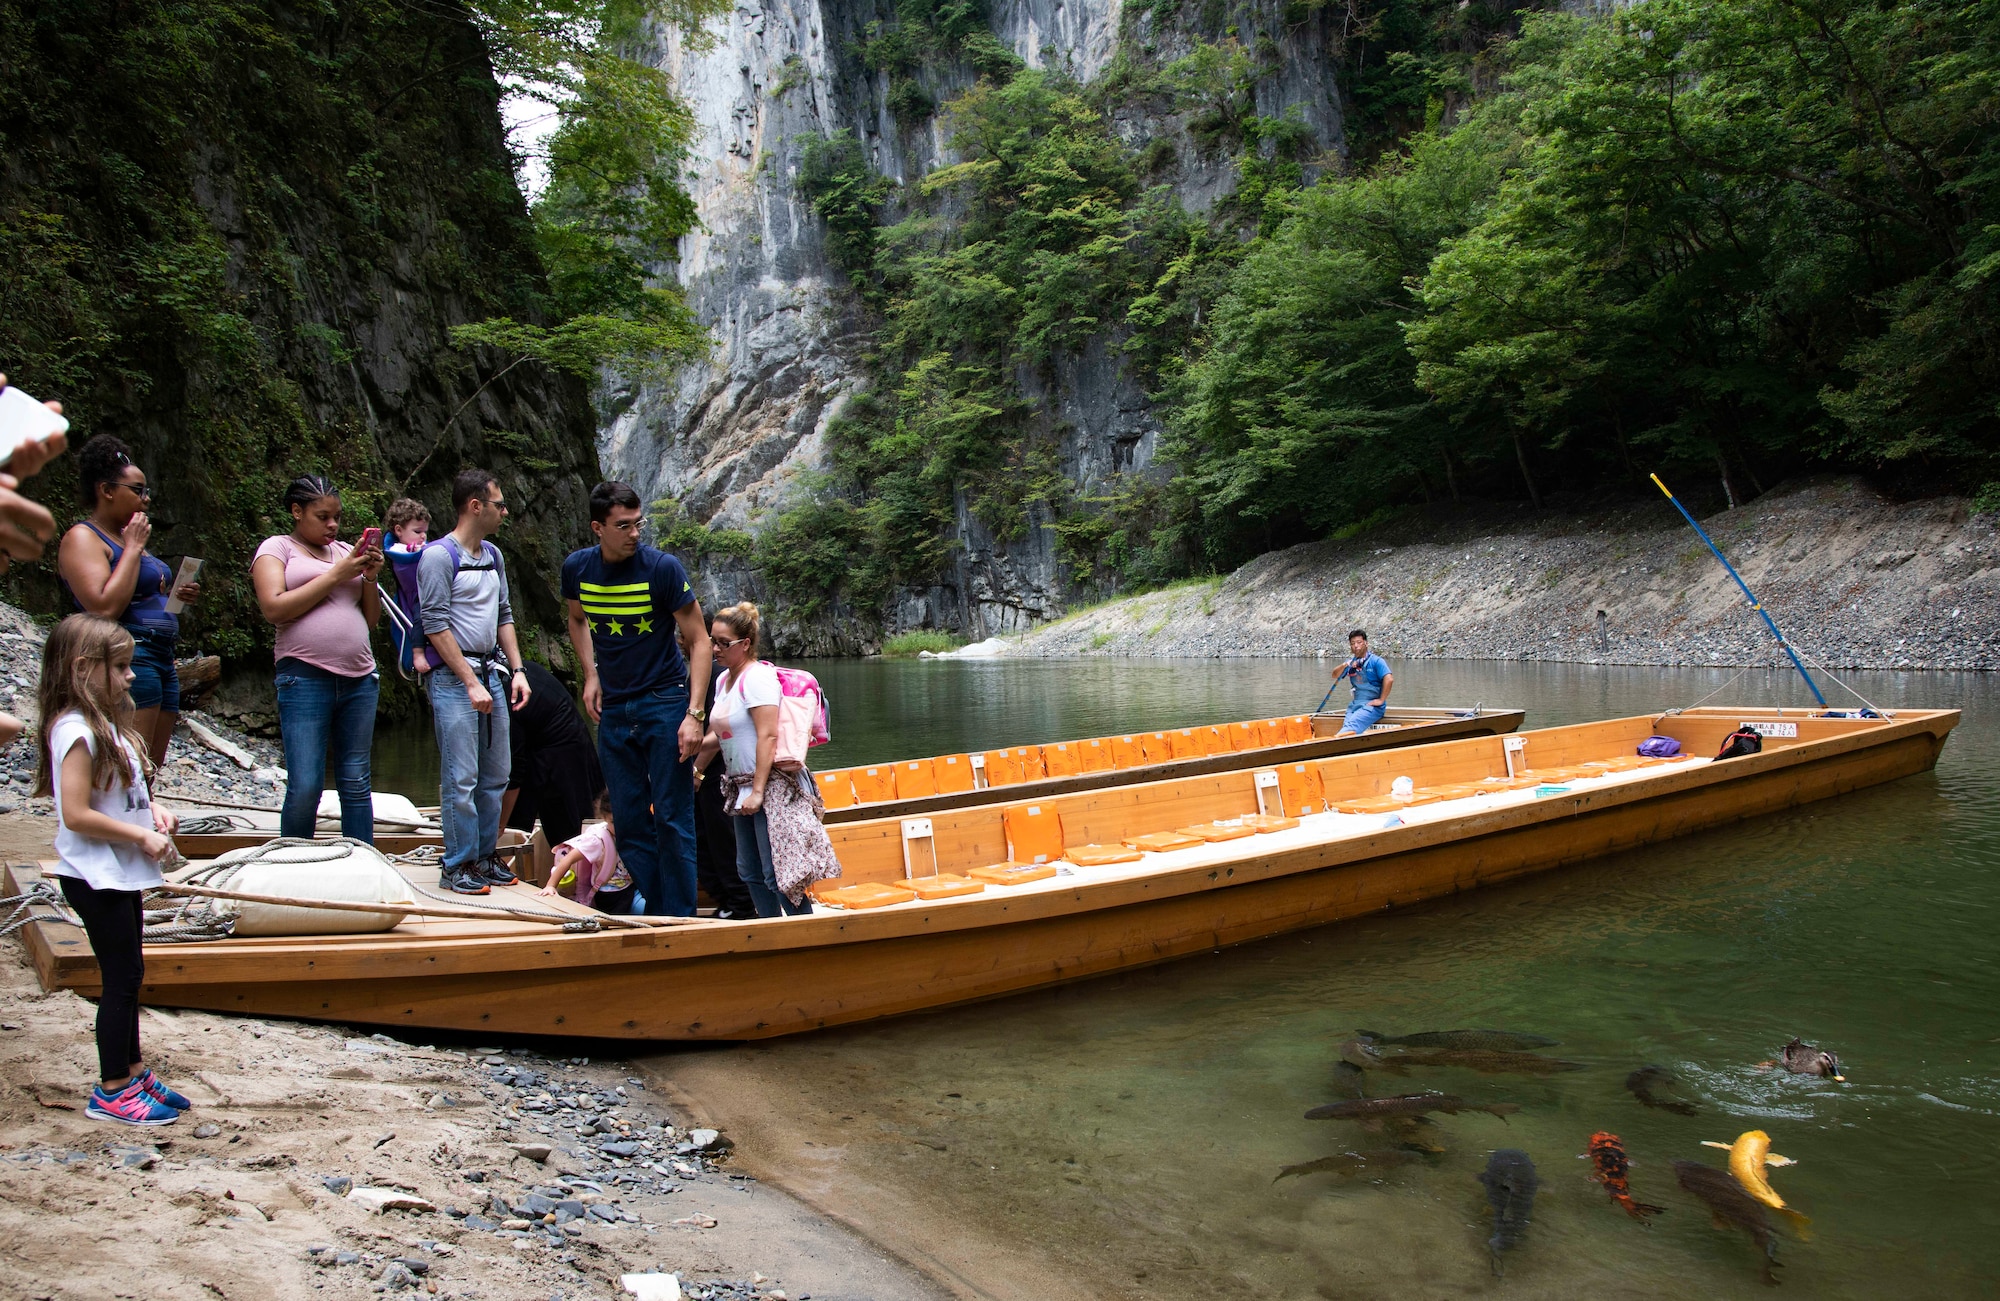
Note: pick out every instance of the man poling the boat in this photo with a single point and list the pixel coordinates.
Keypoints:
(1372, 681)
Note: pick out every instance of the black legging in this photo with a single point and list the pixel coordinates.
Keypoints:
(115, 925)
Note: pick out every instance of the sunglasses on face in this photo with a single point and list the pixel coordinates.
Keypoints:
(726, 642)
(139, 488)
(500, 506)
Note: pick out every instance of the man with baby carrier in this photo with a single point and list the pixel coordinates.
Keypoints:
(625, 601)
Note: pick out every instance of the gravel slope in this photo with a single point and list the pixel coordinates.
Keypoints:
(1854, 579)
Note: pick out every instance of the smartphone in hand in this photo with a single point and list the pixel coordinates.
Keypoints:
(24, 420)
(369, 538)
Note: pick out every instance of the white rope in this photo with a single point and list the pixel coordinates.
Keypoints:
(1841, 682)
(39, 894)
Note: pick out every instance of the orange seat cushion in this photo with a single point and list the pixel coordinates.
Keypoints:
(1101, 855)
(870, 894)
(1028, 759)
(1093, 756)
(1269, 733)
(1034, 833)
(1301, 789)
(1126, 752)
(953, 773)
(1298, 728)
(1161, 841)
(836, 788)
(1157, 747)
(874, 785)
(943, 886)
(1264, 822)
(1061, 759)
(1011, 873)
(1371, 804)
(916, 777)
(1214, 831)
(1186, 742)
(1001, 769)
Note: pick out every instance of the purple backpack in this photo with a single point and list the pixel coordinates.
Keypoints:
(1659, 747)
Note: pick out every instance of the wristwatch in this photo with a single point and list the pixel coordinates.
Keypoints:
(698, 714)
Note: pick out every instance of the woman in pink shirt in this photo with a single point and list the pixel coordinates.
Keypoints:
(320, 592)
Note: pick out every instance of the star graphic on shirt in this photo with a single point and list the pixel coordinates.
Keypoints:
(645, 626)
(616, 628)
(592, 623)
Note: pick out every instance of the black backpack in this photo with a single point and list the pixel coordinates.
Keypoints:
(1744, 740)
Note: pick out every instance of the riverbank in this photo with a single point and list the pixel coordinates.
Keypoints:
(1854, 579)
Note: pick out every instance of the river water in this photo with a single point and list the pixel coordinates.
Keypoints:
(1123, 1135)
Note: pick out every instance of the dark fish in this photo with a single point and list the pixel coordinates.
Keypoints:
(1731, 1206)
(1359, 1055)
(1804, 1059)
(1612, 1168)
(1655, 1086)
(1484, 1060)
(1408, 1104)
(1350, 1163)
(1350, 1080)
(1496, 1040)
(1411, 1133)
(1510, 1190)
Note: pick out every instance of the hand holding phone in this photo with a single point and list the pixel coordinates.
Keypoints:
(369, 538)
(23, 420)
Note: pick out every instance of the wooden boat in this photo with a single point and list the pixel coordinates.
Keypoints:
(245, 828)
(962, 781)
(1482, 810)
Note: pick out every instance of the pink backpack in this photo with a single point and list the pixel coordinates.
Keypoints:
(803, 720)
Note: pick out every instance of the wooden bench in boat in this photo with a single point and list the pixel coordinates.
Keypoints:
(730, 980)
(911, 786)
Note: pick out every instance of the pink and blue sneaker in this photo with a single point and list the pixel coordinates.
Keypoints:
(131, 1105)
(156, 1086)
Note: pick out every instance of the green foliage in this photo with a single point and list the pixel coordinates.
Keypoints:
(925, 37)
(907, 645)
(674, 530)
(835, 178)
(614, 201)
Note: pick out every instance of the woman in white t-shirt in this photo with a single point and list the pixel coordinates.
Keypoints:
(110, 838)
(744, 727)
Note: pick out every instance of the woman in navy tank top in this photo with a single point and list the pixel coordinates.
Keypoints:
(106, 570)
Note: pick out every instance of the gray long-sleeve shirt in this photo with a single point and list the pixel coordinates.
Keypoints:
(473, 604)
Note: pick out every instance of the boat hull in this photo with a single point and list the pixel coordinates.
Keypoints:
(737, 981)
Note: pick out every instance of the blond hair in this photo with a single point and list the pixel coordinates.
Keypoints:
(742, 620)
(76, 675)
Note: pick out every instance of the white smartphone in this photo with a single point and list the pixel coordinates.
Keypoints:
(24, 420)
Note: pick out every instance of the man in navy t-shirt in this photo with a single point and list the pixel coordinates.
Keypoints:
(1372, 683)
(625, 601)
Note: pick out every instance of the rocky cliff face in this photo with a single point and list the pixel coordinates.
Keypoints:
(731, 438)
(236, 235)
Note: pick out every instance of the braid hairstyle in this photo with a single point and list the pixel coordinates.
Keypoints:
(307, 489)
(76, 662)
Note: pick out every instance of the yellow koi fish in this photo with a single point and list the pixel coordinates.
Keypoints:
(1748, 1156)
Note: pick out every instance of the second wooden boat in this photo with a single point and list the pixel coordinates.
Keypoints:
(1224, 858)
(963, 781)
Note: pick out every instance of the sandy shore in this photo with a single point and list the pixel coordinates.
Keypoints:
(244, 1196)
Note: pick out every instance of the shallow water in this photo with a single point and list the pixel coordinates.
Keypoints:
(1129, 1129)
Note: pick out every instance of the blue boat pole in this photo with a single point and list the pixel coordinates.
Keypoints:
(1748, 595)
(1335, 687)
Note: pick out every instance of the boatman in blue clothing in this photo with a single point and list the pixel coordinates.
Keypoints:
(1372, 681)
(625, 600)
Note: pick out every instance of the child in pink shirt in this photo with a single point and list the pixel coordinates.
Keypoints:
(590, 862)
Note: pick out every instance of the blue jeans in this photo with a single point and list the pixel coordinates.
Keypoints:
(318, 709)
(1361, 717)
(760, 871)
(473, 764)
(155, 682)
(652, 796)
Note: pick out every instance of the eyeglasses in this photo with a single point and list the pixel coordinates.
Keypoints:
(726, 642)
(500, 506)
(139, 488)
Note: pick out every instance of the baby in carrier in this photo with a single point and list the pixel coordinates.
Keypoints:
(409, 523)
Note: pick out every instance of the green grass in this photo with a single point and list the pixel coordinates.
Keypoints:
(907, 644)
(1101, 640)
